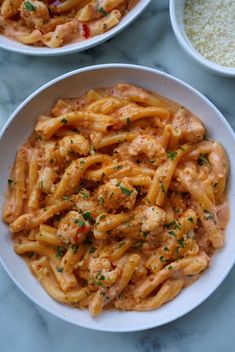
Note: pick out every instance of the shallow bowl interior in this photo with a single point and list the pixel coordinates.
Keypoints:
(177, 22)
(20, 126)
(15, 46)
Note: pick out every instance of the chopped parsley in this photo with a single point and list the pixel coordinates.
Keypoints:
(171, 155)
(102, 217)
(64, 121)
(125, 190)
(84, 194)
(128, 120)
(80, 223)
(163, 260)
(121, 244)
(181, 243)
(92, 249)
(172, 233)
(102, 11)
(111, 195)
(190, 219)
(82, 161)
(118, 167)
(101, 200)
(87, 216)
(202, 160)
(59, 252)
(170, 267)
(208, 215)
(166, 249)
(100, 277)
(59, 269)
(162, 188)
(172, 225)
(29, 6)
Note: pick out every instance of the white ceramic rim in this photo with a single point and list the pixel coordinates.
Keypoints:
(210, 65)
(79, 46)
(194, 91)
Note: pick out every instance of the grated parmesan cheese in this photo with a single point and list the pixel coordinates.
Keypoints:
(210, 25)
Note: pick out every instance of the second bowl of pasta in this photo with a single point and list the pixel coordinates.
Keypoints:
(118, 198)
(57, 28)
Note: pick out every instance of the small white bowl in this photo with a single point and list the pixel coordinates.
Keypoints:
(177, 22)
(19, 127)
(12, 45)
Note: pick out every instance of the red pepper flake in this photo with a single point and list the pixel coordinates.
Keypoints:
(86, 31)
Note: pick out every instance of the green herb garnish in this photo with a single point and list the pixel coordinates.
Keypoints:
(172, 233)
(125, 190)
(173, 225)
(59, 269)
(181, 243)
(87, 216)
(171, 155)
(162, 188)
(101, 200)
(59, 252)
(102, 11)
(29, 6)
(64, 121)
(202, 160)
(190, 219)
(208, 215)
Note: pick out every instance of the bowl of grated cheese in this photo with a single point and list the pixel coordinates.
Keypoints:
(206, 31)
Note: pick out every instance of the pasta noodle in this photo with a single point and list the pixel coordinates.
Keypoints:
(115, 199)
(56, 23)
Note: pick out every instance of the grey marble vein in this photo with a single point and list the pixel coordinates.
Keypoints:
(27, 328)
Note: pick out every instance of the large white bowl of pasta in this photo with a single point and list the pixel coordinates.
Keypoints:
(55, 27)
(116, 210)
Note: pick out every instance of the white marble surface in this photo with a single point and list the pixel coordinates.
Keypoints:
(25, 327)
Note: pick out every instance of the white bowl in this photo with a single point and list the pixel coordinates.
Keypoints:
(12, 45)
(177, 22)
(19, 127)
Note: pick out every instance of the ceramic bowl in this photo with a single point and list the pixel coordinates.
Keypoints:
(177, 22)
(20, 125)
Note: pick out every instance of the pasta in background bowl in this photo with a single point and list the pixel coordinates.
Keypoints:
(54, 28)
(125, 192)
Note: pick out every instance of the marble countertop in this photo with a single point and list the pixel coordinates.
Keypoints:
(25, 327)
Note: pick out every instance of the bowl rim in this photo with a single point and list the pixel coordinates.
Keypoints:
(140, 68)
(82, 45)
(210, 65)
